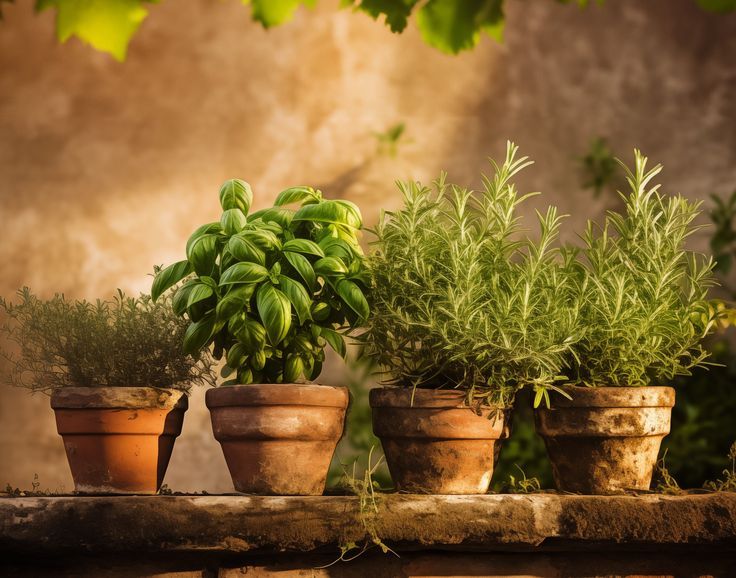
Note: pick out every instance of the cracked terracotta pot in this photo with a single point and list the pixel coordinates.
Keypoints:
(436, 444)
(118, 440)
(605, 440)
(278, 439)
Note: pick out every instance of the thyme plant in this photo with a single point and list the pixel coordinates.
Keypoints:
(644, 305)
(122, 342)
(460, 299)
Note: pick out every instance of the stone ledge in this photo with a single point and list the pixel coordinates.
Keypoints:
(256, 524)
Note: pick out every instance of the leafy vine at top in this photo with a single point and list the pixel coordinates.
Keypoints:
(271, 289)
(448, 25)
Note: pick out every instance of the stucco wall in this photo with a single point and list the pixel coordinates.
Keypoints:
(106, 167)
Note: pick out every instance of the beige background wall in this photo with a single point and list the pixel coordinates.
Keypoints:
(105, 168)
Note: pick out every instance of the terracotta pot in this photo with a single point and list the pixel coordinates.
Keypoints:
(278, 439)
(118, 440)
(605, 439)
(436, 444)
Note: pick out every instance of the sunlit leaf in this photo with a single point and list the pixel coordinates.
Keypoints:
(275, 311)
(236, 194)
(244, 273)
(304, 246)
(168, 277)
(304, 268)
(353, 296)
(338, 212)
(298, 296)
(296, 195)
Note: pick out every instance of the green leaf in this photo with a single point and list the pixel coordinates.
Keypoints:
(293, 368)
(298, 296)
(304, 268)
(397, 12)
(179, 301)
(236, 194)
(304, 246)
(453, 26)
(243, 249)
(274, 12)
(265, 240)
(208, 229)
(244, 273)
(279, 215)
(107, 25)
(203, 254)
(199, 292)
(353, 296)
(274, 309)
(198, 334)
(251, 334)
(337, 212)
(168, 277)
(336, 341)
(296, 195)
(234, 302)
(339, 248)
(330, 266)
(232, 221)
(235, 356)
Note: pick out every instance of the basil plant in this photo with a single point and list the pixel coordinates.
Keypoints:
(269, 290)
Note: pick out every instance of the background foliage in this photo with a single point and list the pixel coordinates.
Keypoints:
(448, 25)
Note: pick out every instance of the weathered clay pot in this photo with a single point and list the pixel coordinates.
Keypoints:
(605, 440)
(436, 444)
(118, 440)
(278, 439)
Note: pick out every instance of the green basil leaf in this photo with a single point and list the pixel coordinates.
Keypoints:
(208, 229)
(274, 309)
(235, 357)
(234, 302)
(339, 248)
(304, 268)
(336, 341)
(304, 246)
(199, 292)
(179, 301)
(293, 368)
(353, 296)
(330, 266)
(203, 254)
(298, 296)
(251, 334)
(232, 221)
(198, 334)
(263, 239)
(236, 194)
(279, 215)
(244, 249)
(168, 277)
(296, 195)
(335, 212)
(244, 273)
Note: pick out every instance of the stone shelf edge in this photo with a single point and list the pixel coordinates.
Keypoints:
(255, 524)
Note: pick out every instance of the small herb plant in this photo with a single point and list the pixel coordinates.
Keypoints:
(460, 300)
(644, 306)
(269, 290)
(122, 342)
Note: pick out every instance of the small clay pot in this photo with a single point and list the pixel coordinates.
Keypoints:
(435, 443)
(278, 439)
(118, 440)
(605, 440)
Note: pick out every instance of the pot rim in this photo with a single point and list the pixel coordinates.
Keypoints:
(120, 397)
(613, 397)
(260, 394)
(401, 397)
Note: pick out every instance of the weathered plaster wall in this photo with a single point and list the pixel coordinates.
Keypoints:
(105, 168)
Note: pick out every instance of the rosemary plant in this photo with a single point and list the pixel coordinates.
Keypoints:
(122, 342)
(644, 297)
(460, 299)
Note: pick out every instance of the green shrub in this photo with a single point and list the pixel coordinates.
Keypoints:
(269, 290)
(460, 300)
(123, 342)
(644, 306)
